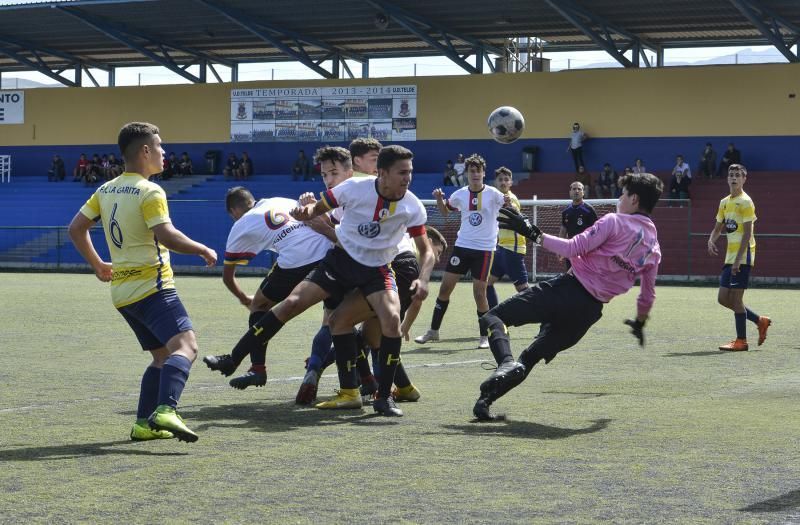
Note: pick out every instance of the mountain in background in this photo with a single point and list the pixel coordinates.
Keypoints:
(24, 83)
(748, 56)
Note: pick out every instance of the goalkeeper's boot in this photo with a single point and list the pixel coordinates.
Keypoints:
(763, 325)
(430, 335)
(505, 377)
(737, 345)
(224, 364)
(345, 398)
(368, 388)
(386, 406)
(482, 412)
(308, 389)
(141, 431)
(407, 393)
(166, 418)
(483, 342)
(249, 378)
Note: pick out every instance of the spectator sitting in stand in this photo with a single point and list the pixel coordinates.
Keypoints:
(679, 185)
(585, 178)
(731, 156)
(185, 165)
(618, 182)
(302, 167)
(105, 168)
(92, 170)
(246, 166)
(451, 177)
(117, 166)
(682, 167)
(606, 182)
(708, 161)
(79, 172)
(170, 167)
(232, 168)
(56, 171)
(639, 167)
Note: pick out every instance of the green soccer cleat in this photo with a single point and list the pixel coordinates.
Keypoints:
(165, 418)
(141, 431)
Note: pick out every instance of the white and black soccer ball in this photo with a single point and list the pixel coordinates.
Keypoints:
(506, 124)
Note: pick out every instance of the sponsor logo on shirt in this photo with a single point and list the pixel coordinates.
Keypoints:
(475, 219)
(731, 225)
(275, 220)
(370, 230)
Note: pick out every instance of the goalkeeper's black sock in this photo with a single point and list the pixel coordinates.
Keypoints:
(498, 337)
(438, 313)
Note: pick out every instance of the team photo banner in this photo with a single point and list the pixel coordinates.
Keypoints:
(324, 114)
(12, 107)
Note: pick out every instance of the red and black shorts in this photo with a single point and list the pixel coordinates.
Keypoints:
(477, 262)
(280, 282)
(338, 273)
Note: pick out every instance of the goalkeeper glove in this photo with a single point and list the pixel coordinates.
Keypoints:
(511, 219)
(637, 329)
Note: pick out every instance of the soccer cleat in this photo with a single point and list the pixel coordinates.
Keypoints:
(141, 431)
(737, 345)
(345, 398)
(368, 388)
(308, 389)
(166, 418)
(249, 378)
(483, 342)
(763, 325)
(385, 406)
(430, 335)
(221, 363)
(482, 413)
(406, 393)
(504, 378)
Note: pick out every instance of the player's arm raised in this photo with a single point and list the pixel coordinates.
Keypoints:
(176, 241)
(438, 194)
(79, 233)
(309, 211)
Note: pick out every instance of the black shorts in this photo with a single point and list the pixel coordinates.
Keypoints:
(477, 262)
(406, 271)
(280, 282)
(338, 273)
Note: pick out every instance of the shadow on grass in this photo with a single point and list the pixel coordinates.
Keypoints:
(695, 354)
(581, 394)
(280, 417)
(525, 429)
(790, 500)
(79, 451)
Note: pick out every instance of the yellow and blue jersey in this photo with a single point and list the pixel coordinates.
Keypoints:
(509, 239)
(734, 212)
(129, 206)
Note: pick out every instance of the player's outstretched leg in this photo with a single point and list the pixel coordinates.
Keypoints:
(255, 376)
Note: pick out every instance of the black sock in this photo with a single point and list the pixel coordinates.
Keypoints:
(257, 337)
(483, 328)
(362, 364)
(438, 313)
(390, 358)
(346, 353)
(400, 377)
(254, 317)
(498, 337)
(741, 325)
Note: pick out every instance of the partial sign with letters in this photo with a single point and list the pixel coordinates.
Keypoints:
(12, 107)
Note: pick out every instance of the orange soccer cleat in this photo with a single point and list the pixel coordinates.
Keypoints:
(737, 345)
(763, 325)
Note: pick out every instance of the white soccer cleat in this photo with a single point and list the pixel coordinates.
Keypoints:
(430, 335)
(484, 342)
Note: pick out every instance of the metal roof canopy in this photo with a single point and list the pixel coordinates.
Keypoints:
(52, 37)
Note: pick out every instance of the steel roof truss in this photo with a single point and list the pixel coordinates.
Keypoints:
(36, 66)
(769, 24)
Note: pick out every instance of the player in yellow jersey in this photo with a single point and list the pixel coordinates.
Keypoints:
(735, 216)
(139, 234)
(509, 257)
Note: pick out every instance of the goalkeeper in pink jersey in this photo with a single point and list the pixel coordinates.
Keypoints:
(606, 261)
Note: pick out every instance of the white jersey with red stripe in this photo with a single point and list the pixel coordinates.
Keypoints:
(373, 226)
(479, 211)
(268, 226)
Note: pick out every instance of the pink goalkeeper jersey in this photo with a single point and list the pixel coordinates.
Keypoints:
(608, 257)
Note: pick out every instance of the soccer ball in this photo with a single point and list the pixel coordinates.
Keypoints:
(506, 124)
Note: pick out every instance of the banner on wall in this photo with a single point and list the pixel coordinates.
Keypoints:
(324, 114)
(12, 107)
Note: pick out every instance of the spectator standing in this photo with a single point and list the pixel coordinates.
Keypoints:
(731, 156)
(56, 172)
(302, 167)
(451, 175)
(708, 161)
(575, 147)
(460, 168)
